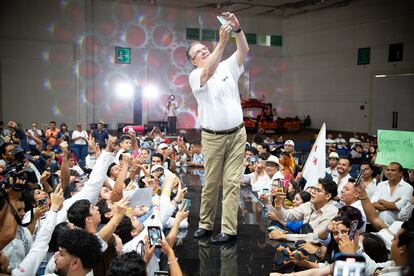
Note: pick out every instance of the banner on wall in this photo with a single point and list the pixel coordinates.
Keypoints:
(395, 146)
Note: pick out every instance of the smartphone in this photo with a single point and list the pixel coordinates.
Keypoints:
(154, 234)
(252, 160)
(354, 225)
(55, 179)
(274, 227)
(186, 204)
(349, 265)
(42, 201)
(221, 19)
(359, 178)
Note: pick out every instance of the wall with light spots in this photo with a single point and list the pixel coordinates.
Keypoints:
(57, 60)
(320, 51)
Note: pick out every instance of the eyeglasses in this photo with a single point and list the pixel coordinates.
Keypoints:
(198, 52)
(317, 190)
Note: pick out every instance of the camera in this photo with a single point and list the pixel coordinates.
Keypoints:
(16, 171)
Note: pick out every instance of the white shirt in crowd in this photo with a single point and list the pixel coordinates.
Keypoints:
(358, 204)
(19, 247)
(371, 188)
(334, 173)
(83, 134)
(340, 141)
(341, 182)
(329, 141)
(33, 133)
(401, 196)
(265, 182)
(218, 99)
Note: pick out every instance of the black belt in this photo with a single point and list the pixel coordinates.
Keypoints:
(222, 132)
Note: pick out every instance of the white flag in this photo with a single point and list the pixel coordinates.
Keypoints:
(315, 165)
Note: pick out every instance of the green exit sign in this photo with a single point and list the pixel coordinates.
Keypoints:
(364, 56)
(122, 55)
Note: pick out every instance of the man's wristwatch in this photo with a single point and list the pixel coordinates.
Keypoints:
(238, 30)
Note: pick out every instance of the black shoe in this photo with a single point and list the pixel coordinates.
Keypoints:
(229, 246)
(222, 238)
(202, 233)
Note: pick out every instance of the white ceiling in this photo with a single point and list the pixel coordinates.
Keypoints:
(254, 8)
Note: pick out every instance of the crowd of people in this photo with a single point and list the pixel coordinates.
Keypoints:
(358, 208)
(65, 212)
(69, 206)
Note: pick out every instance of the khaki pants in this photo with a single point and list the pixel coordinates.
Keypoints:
(223, 161)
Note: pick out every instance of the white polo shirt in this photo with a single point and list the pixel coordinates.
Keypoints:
(401, 196)
(218, 99)
(341, 183)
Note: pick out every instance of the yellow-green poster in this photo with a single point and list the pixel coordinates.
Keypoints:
(395, 146)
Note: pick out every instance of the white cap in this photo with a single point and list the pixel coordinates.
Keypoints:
(156, 167)
(289, 142)
(388, 234)
(162, 146)
(274, 159)
(333, 155)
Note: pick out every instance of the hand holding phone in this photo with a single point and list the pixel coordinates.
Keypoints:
(224, 21)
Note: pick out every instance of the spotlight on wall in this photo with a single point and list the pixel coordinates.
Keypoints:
(124, 89)
(150, 91)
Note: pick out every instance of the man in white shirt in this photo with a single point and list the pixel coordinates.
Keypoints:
(400, 245)
(340, 141)
(35, 132)
(392, 195)
(350, 197)
(215, 88)
(329, 139)
(80, 139)
(333, 160)
(125, 143)
(343, 168)
(73, 259)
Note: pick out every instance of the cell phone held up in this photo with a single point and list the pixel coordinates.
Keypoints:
(186, 204)
(347, 265)
(155, 235)
(354, 225)
(221, 19)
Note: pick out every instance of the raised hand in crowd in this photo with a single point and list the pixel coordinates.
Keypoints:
(148, 250)
(175, 269)
(56, 199)
(181, 191)
(110, 144)
(91, 143)
(347, 246)
(120, 209)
